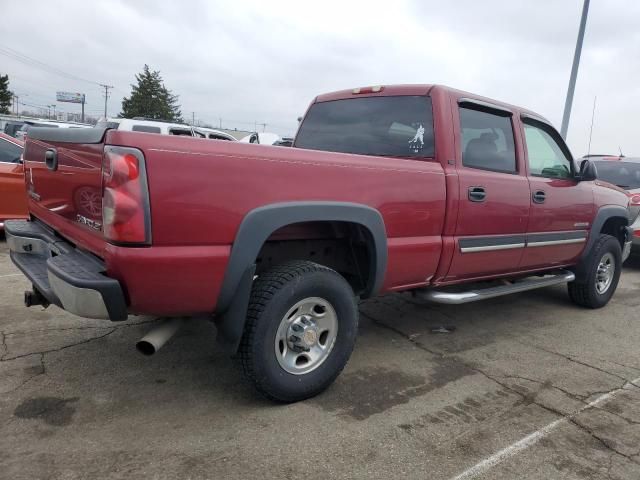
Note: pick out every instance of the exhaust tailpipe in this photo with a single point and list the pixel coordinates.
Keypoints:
(158, 336)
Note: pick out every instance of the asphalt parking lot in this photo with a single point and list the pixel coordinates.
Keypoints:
(527, 386)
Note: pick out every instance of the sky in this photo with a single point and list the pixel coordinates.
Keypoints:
(246, 62)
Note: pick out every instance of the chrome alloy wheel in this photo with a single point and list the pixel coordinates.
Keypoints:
(605, 273)
(306, 335)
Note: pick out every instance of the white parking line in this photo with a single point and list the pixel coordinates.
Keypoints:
(534, 437)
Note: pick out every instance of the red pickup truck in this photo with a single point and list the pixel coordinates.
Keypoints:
(418, 188)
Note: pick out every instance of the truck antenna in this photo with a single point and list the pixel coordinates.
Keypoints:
(593, 114)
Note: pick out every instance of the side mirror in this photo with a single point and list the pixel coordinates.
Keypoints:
(588, 171)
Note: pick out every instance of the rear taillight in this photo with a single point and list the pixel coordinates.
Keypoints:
(126, 217)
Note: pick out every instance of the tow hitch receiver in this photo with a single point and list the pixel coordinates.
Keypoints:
(34, 297)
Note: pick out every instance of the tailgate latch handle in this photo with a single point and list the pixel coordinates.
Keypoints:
(51, 159)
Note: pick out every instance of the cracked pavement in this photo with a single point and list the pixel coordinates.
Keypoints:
(529, 384)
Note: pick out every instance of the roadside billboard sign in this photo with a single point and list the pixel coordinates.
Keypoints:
(70, 97)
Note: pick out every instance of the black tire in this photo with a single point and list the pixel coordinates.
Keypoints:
(585, 293)
(273, 294)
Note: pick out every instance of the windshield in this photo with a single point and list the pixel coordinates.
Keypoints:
(622, 174)
(385, 126)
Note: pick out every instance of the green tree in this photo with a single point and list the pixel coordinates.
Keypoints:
(5, 94)
(151, 99)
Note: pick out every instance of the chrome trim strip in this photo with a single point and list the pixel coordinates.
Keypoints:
(487, 248)
(555, 242)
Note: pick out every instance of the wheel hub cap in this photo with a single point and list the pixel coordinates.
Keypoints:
(306, 335)
(605, 273)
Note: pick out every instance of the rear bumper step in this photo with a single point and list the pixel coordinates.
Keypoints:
(65, 276)
(522, 285)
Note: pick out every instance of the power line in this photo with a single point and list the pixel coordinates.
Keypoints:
(32, 62)
(25, 59)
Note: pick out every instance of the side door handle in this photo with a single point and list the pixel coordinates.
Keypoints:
(477, 194)
(539, 196)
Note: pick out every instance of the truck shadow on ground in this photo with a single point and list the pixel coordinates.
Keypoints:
(192, 372)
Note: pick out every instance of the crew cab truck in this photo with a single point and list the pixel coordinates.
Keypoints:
(418, 188)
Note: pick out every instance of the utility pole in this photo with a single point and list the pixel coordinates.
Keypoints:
(193, 118)
(574, 71)
(48, 112)
(54, 112)
(220, 123)
(106, 97)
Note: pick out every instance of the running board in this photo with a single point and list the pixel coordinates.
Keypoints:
(516, 286)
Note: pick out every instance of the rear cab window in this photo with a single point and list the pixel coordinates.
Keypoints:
(623, 174)
(399, 126)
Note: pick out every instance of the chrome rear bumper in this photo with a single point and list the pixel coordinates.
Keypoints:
(65, 276)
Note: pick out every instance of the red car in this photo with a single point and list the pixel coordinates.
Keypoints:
(419, 188)
(13, 196)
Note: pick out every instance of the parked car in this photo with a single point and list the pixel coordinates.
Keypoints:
(212, 134)
(284, 142)
(162, 127)
(12, 127)
(623, 172)
(442, 193)
(13, 196)
(28, 124)
(263, 138)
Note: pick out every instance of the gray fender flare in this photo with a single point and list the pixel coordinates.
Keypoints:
(603, 214)
(258, 225)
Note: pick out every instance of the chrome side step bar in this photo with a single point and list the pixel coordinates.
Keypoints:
(516, 286)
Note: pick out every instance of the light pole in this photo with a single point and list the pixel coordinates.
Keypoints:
(574, 71)
(54, 112)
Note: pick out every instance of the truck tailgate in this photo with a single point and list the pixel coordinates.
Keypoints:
(64, 182)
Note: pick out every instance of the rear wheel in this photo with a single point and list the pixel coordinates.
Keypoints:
(603, 267)
(301, 328)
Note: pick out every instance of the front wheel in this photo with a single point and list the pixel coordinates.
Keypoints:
(603, 267)
(300, 331)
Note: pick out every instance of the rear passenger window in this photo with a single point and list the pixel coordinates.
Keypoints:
(487, 141)
(145, 128)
